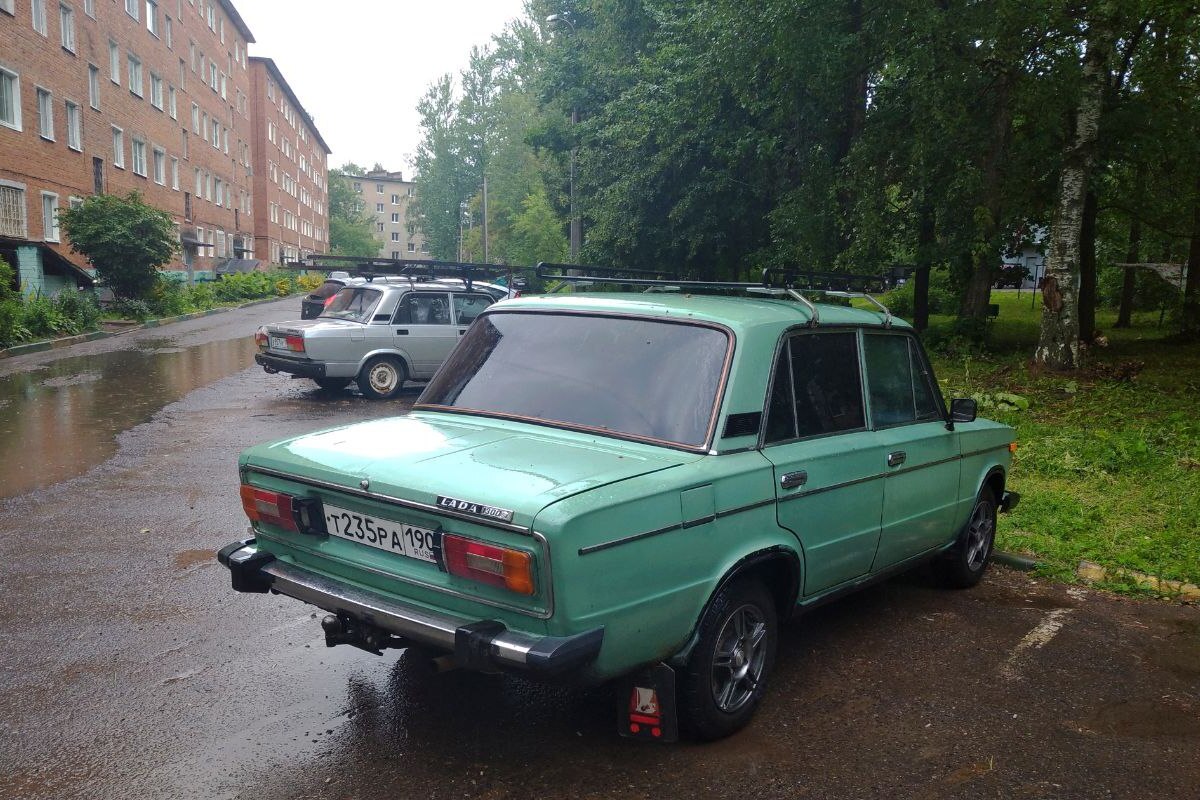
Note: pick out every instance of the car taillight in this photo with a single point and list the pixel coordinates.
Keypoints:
(274, 508)
(497, 566)
(261, 338)
(295, 343)
(329, 300)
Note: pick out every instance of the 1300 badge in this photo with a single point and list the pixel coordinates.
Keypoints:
(475, 509)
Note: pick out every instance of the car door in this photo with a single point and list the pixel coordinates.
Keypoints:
(423, 328)
(828, 482)
(468, 306)
(920, 456)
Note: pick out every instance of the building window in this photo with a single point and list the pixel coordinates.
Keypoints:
(199, 183)
(175, 173)
(212, 75)
(139, 157)
(89, 8)
(358, 187)
(379, 227)
(379, 208)
(74, 127)
(184, 141)
(379, 188)
(45, 106)
(66, 20)
(171, 101)
(131, 8)
(114, 63)
(12, 210)
(395, 217)
(49, 217)
(168, 33)
(94, 86)
(195, 119)
(152, 16)
(396, 254)
(412, 190)
(160, 167)
(156, 91)
(118, 147)
(412, 247)
(395, 199)
(38, 7)
(10, 99)
(395, 235)
(135, 75)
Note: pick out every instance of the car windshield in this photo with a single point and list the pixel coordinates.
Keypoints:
(353, 303)
(633, 377)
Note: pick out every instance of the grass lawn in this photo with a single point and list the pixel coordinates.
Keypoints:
(1108, 464)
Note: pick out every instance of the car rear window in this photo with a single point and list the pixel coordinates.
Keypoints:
(631, 377)
(353, 303)
(327, 289)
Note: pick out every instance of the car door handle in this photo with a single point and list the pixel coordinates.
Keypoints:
(402, 331)
(790, 480)
(897, 458)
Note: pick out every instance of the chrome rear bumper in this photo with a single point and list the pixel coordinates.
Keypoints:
(476, 644)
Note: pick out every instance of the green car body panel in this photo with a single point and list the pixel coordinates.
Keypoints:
(634, 537)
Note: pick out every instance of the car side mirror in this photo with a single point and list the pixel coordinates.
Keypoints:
(963, 409)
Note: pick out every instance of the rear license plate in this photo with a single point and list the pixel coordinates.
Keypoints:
(394, 537)
(278, 342)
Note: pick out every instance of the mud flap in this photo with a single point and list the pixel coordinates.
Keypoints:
(647, 705)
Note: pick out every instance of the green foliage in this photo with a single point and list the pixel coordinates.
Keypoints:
(1151, 291)
(44, 317)
(351, 229)
(942, 298)
(125, 239)
(8, 282)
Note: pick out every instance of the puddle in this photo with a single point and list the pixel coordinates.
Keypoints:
(194, 558)
(60, 422)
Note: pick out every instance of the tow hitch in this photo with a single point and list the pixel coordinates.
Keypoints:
(343, 629)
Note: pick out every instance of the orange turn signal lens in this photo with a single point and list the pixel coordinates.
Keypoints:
(496, 566)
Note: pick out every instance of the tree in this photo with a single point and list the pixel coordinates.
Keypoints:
(350, 228)
(125, 239)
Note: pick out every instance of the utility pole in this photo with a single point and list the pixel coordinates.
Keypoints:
(485, 222)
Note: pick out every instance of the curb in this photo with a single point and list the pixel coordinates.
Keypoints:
(55, 344)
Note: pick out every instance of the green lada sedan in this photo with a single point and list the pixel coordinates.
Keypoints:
(631, 486)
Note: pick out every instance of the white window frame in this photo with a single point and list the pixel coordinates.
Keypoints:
(66, 22)
(131, 8)
(94, 86)
(114, 62)
(160, 166)
(50, 230)
(172, 107)
(118, 138)
(37, 9)
(134, 65)
(152, 17)
(175, 173)
(89, 8)
(156, 91)
(168, 32)
(45, 109)
(138, 148)
(14, 122)
(395, 216)
(74, 126)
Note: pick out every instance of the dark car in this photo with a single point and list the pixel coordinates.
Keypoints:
(313, 304)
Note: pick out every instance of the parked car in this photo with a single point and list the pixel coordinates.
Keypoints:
(645, 499)
(313, 303)
(379, 334)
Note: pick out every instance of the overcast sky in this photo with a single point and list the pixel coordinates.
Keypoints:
(360, 66)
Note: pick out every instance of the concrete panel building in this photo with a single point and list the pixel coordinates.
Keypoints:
(290, 159)
(385, 196)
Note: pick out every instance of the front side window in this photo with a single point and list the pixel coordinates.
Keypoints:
(631, 377)
(900, 383)
(817, 389)
(423, 308)
(354, 303)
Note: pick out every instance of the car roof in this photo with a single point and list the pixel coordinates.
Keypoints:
(738, 313)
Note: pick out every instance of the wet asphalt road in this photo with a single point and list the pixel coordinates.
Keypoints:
(129, 669)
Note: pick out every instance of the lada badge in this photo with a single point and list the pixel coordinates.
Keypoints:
(475, 509)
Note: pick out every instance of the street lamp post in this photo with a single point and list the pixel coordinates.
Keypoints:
(576, 228)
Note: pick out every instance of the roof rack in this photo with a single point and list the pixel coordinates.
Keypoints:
(413, 270)
(775, 282)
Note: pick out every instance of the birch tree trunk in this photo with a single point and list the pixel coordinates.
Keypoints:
(1058, 344)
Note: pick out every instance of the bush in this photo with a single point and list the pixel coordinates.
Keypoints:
(12, 323)
(80, 306)
(169, 298)
(306, 282)
(1151, 291)
(942, 299)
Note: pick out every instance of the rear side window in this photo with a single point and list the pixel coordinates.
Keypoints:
(423, 308)
(817, 389)
(469, 306)
(901, 386)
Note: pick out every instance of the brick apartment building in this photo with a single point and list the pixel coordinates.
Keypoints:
(385, 196)
(290, 170)
(116, 95)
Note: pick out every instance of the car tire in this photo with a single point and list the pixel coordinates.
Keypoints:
(963, 564)
(332, 384)
(725, 677)
(382, 377)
